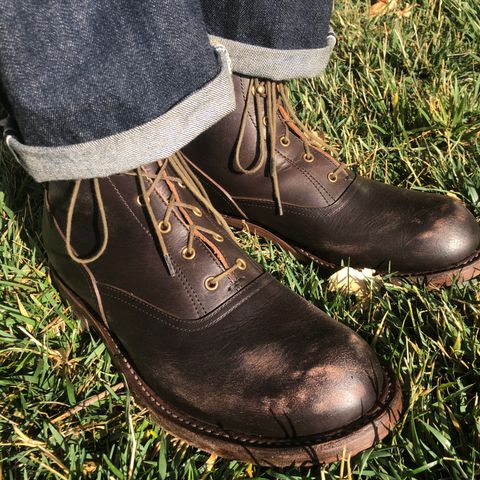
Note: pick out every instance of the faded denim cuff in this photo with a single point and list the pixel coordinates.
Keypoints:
(141, 145)
(278, 65)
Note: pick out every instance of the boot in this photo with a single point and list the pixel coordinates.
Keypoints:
(222, 355)
(261, 166)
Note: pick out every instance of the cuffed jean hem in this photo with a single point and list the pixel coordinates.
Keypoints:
(144, 144)
(256, 61)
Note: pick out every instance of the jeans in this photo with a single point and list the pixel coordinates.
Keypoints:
(96, 88)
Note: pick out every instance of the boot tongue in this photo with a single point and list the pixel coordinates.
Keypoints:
(152, 168)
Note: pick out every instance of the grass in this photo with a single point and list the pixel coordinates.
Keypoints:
(400, 102)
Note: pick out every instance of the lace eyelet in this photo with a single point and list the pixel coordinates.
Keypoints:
(211, 284)
(181, 185)
(197, 212)
(284, 141)
(308, 157)
(241, 264)
(218, 237)
(260, 90)
(332, 177)
(188, 254)
(164, 227)
(264, 121)
(140, 201)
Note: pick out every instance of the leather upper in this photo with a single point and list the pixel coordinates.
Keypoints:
(250, 357)
(266, 363)
(354, 219)
(404, 230)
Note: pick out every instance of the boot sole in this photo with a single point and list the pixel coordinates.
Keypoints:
(281, 452)
(460, 272)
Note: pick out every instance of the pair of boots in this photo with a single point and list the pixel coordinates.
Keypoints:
(221, 354)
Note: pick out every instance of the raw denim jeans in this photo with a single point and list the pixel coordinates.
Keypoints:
(96, 88)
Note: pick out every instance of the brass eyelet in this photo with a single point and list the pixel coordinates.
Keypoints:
(164, 227)
(241, 264)
(284, 141)
(197, 212)
(332, 177)
(188, 254)
(140, 201)
(211, 284)
(181, 185)
(308, 157)
(218, 237)
(261, 90)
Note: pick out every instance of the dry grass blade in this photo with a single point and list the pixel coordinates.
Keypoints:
(86, 403)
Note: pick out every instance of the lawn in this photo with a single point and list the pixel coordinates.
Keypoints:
(401, 103)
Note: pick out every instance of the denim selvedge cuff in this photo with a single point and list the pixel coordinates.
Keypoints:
(256, 61)
(141, 145)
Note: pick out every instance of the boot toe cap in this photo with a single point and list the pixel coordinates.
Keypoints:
(281, 370)
(453, 236)
(318, 389)
(309, 376)
(343, 386)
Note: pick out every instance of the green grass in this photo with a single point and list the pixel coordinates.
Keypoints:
(400, 101)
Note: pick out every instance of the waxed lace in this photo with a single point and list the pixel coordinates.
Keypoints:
(185, 178)
(275, 96)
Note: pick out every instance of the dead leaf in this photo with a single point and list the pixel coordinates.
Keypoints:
(378, 9)
(382, 7)
(89, 467)
(356, 282)
(434, 104)
(407, 11)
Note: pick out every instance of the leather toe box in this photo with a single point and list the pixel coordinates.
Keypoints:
(330, 383)
(286, 370)
(453, 234)
(266, 364)
(389, 228)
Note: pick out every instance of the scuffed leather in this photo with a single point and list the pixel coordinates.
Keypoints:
(378, 226)
(266, 363)
(251, 357)
(356, 220)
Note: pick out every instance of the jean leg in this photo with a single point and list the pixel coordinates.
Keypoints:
(88, 82)
(277, 39)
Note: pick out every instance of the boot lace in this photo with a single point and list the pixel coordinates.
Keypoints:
(275, 98)
(184, 178)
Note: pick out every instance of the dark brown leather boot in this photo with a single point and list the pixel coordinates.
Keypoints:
(222, 355)
(261, 165)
